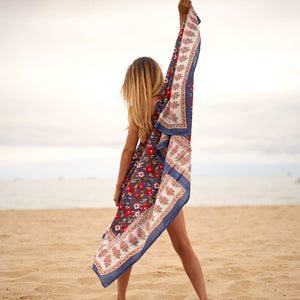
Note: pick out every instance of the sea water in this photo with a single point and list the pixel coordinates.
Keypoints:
(98, 193)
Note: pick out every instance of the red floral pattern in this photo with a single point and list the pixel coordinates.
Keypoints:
(124, 241)
(141, 183)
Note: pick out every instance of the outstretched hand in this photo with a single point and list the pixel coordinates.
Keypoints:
(184, 6)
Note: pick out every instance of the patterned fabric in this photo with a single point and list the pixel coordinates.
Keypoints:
(157, 183)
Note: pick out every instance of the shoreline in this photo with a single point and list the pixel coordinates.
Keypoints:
(115, 208)
(217, 192)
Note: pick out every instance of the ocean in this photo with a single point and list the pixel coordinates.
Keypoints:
(98, 193)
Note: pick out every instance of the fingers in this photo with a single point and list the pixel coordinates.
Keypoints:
(188, 3)
(184, 6)
(185, 2)
(116, 202)
(117, 197)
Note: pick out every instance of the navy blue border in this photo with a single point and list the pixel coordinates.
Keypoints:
(178, 177)
(164, 144)
(106, 280)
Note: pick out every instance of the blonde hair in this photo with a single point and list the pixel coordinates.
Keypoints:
(143, 81)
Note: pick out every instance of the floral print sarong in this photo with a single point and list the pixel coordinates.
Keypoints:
(157, 183)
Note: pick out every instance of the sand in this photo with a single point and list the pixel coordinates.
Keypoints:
(245, 253)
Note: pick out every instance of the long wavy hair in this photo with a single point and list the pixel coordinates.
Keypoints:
(143, 81)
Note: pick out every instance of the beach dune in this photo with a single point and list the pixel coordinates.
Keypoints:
(248, 252)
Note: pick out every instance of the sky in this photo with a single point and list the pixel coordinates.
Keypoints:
(63, 63)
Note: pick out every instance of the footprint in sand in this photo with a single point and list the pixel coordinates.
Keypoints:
(172, 269)
(161, 274)
(5, 236)
(14, 274)
(86, 280)
(230, 272)
(242, 285)
(289, 257)
(43, 289)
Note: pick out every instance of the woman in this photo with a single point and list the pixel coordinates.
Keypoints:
(154, 178)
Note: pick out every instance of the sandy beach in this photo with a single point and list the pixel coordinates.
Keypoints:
(245, 253)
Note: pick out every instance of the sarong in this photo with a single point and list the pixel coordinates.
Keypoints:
(157, 183)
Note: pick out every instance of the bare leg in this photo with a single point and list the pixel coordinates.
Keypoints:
(123, 283)
(182, 246)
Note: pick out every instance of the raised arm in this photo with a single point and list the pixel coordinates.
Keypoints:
(183, 7)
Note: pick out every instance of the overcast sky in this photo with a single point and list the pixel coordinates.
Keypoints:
(63, 62)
